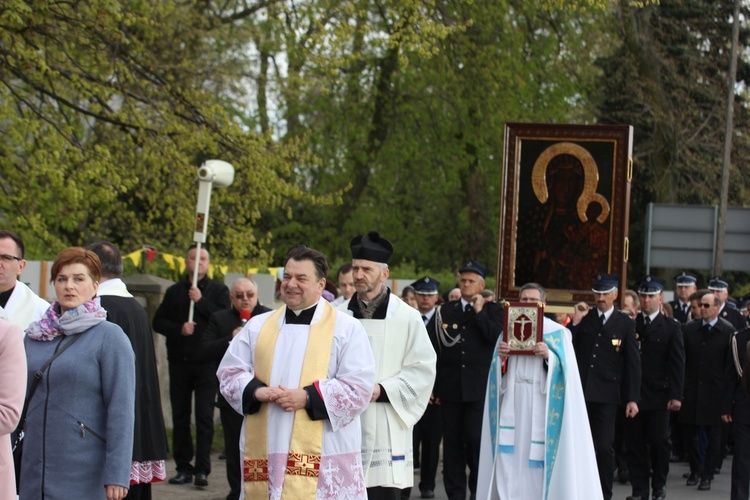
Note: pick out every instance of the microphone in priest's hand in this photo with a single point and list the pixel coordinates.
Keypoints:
(245, 316)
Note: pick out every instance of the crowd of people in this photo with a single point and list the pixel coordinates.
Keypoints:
(344, 397)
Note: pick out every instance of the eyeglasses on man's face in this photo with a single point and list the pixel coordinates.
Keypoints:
(706, 306)
(242, 295)
(9, 258)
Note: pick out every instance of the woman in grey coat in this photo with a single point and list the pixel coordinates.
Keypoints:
(79, 425)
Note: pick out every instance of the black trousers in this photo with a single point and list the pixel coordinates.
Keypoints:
(140, 491)
(186, 378)
(647, 438)
(231, 422)
(619, 444)
(462, 433)
(602, 421)
(741, 462)
(427, 436)
(706, 469)
(383, 493)
(677, 434)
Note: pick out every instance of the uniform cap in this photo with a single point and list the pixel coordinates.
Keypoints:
(650, 285)
(472, 266)
(604, 283)
(685, 278)
(426, 286)
(717, 283)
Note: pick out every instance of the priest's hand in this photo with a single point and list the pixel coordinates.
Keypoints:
(541, 349)
(266, 394)
(674, 405)
(375, 393)
(291, 399)
(503, 350)
(631, 410)
(187, 329)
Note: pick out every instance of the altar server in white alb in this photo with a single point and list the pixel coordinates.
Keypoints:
(536, 442)
(20, 303)
(301, 375)
(404, 370)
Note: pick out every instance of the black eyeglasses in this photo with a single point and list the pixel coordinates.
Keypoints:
(9, 258)
(241, 295)
(706, 305)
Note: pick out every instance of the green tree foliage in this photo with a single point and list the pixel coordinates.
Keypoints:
(340, 116)
(668, 78)
(106, 110)
(413, 132)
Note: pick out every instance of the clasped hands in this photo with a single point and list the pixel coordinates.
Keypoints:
(288, 399)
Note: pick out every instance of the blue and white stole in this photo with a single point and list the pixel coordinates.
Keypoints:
(555, 407)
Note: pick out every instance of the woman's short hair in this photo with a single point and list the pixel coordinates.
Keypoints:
(77, 255)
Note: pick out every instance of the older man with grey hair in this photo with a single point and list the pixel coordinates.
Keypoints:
(222, 327)
(405, 370)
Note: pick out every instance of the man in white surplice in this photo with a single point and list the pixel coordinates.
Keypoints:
(404, 370)
(536, 442)
(336, 399)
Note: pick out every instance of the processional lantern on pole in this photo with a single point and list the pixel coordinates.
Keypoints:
(212, 173)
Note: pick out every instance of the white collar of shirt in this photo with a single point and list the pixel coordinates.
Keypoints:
(712, 323)
(464, 303)
(299, 311)
(607, 314)
(428, 315)
(652, 316)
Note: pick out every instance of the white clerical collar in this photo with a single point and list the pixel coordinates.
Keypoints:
(299, 311)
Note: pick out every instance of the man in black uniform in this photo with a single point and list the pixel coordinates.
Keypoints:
(470, 327)
(189, 373)
(736, 410)
(428, 432)
(222, 328)
(662, 377)
(727, 310)
(685, 285)
(150, 437)
(610, 367)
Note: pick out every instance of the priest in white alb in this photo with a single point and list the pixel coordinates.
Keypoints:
(536, 441)
(301, 376)
(405, 370)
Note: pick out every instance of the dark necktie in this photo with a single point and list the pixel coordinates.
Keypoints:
(706, 327)
(685, 309)
(601, 320)
(467, 308)
(424, 318)
(647, 320)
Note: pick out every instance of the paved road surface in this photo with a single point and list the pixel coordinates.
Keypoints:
(217, 488)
